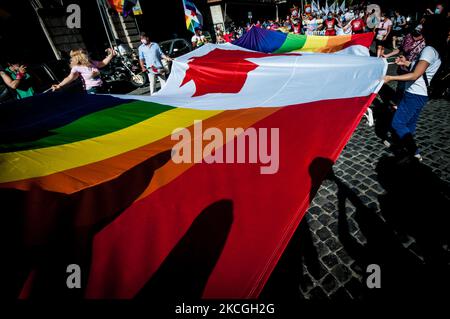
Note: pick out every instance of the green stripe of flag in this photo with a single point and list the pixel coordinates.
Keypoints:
(293, 42)
(93, 125)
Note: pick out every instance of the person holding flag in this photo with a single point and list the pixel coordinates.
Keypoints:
(421, 71)
(150, 55)
(294, 12)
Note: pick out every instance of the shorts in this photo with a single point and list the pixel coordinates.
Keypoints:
(398, 33)
(97, 90)
(382, 43)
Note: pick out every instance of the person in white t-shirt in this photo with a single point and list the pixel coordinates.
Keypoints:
(422, 71)
(383, 31)
(198, 39)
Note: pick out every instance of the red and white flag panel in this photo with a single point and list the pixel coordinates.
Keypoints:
(216, 229)
(316, 101)
(223, 77)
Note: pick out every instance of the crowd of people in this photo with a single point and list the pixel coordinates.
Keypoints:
(352, 20)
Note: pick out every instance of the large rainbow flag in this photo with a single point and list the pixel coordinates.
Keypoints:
(90, 179)
(269, 41)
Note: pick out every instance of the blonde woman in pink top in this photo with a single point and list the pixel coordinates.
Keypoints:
(88, 70)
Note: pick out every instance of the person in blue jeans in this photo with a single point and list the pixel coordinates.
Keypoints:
(422, 71)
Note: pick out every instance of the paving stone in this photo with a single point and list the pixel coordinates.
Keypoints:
(314, 224)
(341, 272)
(333, 227)
(315, 210)
(324, 219)
(330, 207)
(322, 249)
(306, 283)
(365, 199)
(333, 244)
(317, 270)
(330, 260)
(360, 237)
(343, 256)
(323, 233)
(329, 283)
(352, 225)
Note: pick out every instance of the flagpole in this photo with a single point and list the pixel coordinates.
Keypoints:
(99, 5)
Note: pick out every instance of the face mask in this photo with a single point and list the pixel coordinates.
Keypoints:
(437, 11)
(143, 41)
(330, 17)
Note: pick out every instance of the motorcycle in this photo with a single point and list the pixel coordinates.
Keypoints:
(124, 67)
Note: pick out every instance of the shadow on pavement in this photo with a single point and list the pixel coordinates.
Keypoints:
(414, 205)
(417, 204)
(383, 112)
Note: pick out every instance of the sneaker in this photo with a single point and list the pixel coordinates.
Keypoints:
(369, 115)
(419, 157)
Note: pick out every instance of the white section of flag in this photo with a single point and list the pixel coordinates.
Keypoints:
(278, 81)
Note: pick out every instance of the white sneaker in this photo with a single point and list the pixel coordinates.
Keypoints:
(419, 157)
(369, 115)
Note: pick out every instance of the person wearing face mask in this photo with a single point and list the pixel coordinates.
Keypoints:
(420, 73)
(150, 55)
(330, 25)
(357, 24)
(17, 79)
(438, 10)
(410, 49)
(198, 39)
(383, 31)
(296, 27)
